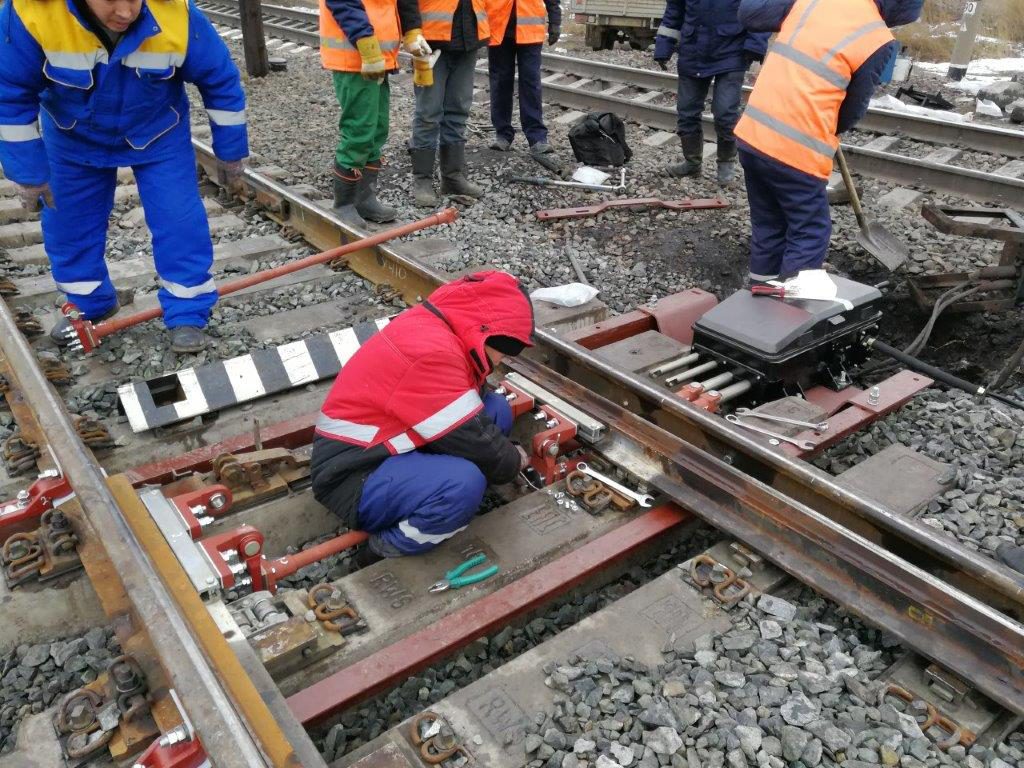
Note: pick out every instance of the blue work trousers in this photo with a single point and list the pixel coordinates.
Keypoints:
(414, 501)
(75, 235)
(442, 109)
(789, 217)
(725, 103)
(501, 65)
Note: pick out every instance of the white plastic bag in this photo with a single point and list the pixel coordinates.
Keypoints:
(987, 108)
(569, 295)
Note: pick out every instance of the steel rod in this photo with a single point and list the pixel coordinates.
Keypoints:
(446, 216)
(227, 740)
(289, 564)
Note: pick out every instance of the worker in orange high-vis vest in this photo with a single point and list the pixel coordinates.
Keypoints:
(816, 83)
(359, 42)
(518, 30)
(458, 29)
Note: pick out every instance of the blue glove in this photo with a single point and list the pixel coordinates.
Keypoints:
(664, 49)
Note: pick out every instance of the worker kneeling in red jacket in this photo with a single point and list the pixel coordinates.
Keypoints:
(407, 441)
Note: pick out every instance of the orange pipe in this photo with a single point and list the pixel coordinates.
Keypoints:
(289, 564)
(446, 216)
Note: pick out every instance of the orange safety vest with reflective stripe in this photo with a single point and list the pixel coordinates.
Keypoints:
(338, 53)
(531, 20)
(794, 108)
(437, 16)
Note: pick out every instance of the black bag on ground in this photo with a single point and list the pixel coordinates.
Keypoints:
(600, 139)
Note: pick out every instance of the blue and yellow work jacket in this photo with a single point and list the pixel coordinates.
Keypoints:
(104, 109)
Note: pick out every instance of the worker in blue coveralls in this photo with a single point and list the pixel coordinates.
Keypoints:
(88, 86)
(713, 46)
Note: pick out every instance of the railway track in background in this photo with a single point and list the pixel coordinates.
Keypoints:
(648, 97)
(922, 587)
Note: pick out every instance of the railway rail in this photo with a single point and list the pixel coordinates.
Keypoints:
(962, 611)
(648, 97)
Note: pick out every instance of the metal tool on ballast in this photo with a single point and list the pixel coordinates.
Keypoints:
(775, 438)
(457, 577)
(820, 426)
(643, 499)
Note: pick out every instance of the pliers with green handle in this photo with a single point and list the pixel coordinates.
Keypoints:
(454, 579)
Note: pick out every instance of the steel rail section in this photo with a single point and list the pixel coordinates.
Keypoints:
(983, 138)
(983, 578)
(227, 740)
(933, 617)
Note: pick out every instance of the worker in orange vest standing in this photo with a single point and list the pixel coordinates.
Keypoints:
(458, 29)
(518, 29)
(816, 83)
(359, 42)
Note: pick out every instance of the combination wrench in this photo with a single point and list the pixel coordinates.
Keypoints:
(776, 439)
(819, 426)
(643, 499)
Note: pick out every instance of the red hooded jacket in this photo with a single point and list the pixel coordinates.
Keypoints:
(419, 380)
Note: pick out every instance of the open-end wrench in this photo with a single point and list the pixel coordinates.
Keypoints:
(819, 426)
(776, 439)
(643, 499)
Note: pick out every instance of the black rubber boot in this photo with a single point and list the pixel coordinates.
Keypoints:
(453, 172)
(63, 334)
(726, 161)
(423, 193)
(187, 339)
(346, 190)
(367, 204)
(693, 154)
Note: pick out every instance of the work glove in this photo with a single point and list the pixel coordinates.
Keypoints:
(664, 49)
(554, 32)
(414, 44)
(749, 57)
(422, 72)
(34, 195)
(524, 457)
(373, 67)
(229, 174)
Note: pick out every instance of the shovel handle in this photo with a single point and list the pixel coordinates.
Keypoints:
(844, 169)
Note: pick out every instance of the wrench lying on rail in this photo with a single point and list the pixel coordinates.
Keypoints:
(820, 426)
(643, 499)
(776, 439)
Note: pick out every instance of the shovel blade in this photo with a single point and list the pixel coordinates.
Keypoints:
(883, 245)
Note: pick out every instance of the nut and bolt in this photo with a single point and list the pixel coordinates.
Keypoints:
(218, 501)
(23, 498)
(251, 548)
(873, 395)
(175, 736)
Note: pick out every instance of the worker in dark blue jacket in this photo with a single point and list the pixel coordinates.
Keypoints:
(816, 83)
(90, 86)
(713, 46)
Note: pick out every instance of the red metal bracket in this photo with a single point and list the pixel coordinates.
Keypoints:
(199, 508)
(181, 754)
(237, 556)
(549, 443)
(24, 512)
(518, 400)
(853, 409)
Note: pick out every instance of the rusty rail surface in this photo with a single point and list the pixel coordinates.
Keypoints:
(927, 614)
(982, 578)
(227, 737)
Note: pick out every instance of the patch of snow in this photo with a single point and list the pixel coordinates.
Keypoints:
(980, 73)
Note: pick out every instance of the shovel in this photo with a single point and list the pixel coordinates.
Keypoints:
(873, 237)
